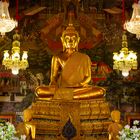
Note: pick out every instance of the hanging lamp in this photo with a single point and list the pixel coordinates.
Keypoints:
(12, 60)
(133, 26)
(126, 59)
(6, 23)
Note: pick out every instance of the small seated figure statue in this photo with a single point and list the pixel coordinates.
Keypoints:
(70, 70)
(29, 127)
(115, 126)
(26, 127)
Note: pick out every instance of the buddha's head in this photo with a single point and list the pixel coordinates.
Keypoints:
(70, 38)
(115, 115)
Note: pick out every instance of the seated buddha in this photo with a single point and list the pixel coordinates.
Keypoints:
(70, 71)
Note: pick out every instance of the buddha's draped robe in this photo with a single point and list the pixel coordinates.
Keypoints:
(76, 71)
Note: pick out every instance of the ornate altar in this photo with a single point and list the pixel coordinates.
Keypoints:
(69, 108)
(54, 118)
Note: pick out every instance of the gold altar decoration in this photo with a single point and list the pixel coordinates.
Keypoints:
(91, 118)
(13, 61)
(69, 97)
(133, 26)
(126, 59)
(6, 23)
(115, 126)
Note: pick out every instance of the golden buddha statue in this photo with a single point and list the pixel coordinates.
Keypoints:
(115, 126)
(70, 71)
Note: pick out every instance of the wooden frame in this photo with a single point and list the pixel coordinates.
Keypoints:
(131, 117)
(7, 117)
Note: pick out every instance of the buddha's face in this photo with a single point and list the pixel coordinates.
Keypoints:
(70, 41)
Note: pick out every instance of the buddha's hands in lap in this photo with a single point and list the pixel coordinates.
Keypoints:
(84, 85)
(53, 83)
(53, 87)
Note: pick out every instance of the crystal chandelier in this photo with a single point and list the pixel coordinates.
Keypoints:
(125, 60)
(133, 26)
(6, 23)
(13, 61)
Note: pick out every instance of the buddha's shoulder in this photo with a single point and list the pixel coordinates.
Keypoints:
(60, 54)
(63, 55)
(82, 55)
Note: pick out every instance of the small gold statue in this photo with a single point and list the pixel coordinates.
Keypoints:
(115, 126)
(26, 128)
(30, 127)
(70, 71)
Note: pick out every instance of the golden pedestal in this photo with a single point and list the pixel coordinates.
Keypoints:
(90, 118)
